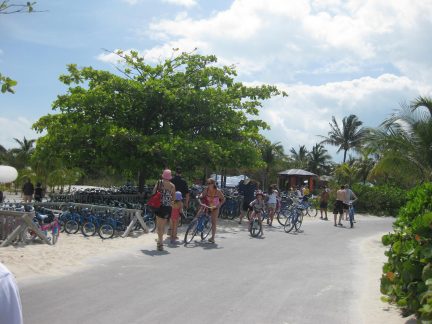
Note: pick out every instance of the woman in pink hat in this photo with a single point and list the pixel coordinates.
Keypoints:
(167, 190)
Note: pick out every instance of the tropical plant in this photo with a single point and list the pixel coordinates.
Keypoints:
(365, 163)
(299, 158)
(346, 173)
(407, 275)
(272, 153)
(318, 160)
(20, 156)
(404, 141)
(350, 136)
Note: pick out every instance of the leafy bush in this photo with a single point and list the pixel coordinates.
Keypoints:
(379, 200)
(407, 275)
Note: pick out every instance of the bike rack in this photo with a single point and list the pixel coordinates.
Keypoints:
(27, 218)
(134, 214)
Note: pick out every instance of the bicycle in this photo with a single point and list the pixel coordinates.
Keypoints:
(351, 213)
(294, 218)
(114, 223)
(201, 224)
(48, 224)
(255, 224)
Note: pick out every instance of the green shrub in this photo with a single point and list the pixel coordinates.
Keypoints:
(379, 200)
(407, 274)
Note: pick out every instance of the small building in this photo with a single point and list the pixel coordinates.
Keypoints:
(296, 177)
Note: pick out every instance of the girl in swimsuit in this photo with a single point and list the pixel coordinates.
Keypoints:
(213, 198)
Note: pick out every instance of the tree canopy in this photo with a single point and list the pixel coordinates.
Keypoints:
(185, 111)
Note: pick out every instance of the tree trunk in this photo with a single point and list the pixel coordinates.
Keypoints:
(141, 181)
(345, 153)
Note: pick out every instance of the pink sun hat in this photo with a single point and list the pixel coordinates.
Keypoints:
(166, 174)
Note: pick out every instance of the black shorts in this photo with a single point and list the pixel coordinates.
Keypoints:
(338, 207)
(323, 205)
(345, 206)
(164, 212)
(246, 205)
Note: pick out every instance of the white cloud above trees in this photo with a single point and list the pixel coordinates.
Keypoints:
(333, 57)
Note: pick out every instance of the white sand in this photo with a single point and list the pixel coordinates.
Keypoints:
(71, 253)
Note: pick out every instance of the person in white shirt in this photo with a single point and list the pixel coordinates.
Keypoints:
(271, 204)
(10, 302)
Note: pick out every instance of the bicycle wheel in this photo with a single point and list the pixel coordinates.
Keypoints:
(106, 231)
(71, 226)
(351, 216)
(312, 211)
(88, 229)
(299, 221)
(289, 222)
(255, 228)
(191, 231)
(207, 229)
(282, 216)
(151, 224)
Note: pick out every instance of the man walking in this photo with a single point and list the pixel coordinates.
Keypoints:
(247, 189)
(28, 191)
(339, 205)
(181, 185)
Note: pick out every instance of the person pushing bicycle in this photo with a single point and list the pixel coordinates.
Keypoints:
(258, 206)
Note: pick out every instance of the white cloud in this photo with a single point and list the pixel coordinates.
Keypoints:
(306, 113)
(132, 2)
(301, 34)
(333, 57)
(15, 128)
(186, 3)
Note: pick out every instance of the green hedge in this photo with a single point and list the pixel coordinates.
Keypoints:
(407, 275)
(377, 200)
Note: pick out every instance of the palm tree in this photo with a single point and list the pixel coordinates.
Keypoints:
(300, 158)
(21, 155)
(404, 141)
(271, 154)
(349, 137)
(318, 159)
(365, 163)
(422, 102)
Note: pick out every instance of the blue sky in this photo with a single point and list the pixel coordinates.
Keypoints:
(333, 57)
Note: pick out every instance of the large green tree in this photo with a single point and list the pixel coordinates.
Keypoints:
(350, 136)
(185, 111)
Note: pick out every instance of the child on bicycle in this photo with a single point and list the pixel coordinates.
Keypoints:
(175, 215)
(258, 206)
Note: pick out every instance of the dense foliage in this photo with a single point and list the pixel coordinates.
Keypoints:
(185, 111)
(379, 200)
(407, 275)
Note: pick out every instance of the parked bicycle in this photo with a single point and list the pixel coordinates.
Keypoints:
(294, 218)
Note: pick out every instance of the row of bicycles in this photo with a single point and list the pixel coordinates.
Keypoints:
(289, 215)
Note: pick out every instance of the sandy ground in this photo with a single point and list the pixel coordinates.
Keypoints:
(71, 253)
(75, 252)
(370, 308)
